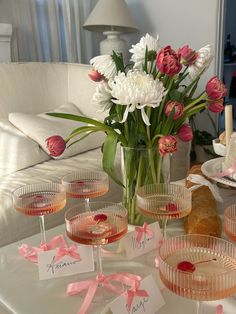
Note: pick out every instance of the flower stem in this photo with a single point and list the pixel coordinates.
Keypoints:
(150, 154)
(195, 101)
(160, 111)
(151, 160)
(196, 109)
(159, 164)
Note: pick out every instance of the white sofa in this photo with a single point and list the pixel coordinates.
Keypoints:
(34, 88)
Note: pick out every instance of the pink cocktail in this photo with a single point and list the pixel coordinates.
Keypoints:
(164, 202)
(230, 222)
(85, 184)
(39, 200)
(104, 223)
(42, 203)
(198, 267)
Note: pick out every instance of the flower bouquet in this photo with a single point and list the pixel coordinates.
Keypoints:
(150, 101)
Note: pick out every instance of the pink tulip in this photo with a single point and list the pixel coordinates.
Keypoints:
(56, 145)
(215, 89)
(185, 133)
(168, 61)
(177, 106)
(95, 76)
(188, 56)
(216, 106)
(167, 144)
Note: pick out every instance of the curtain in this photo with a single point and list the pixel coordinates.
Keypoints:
(50, 30)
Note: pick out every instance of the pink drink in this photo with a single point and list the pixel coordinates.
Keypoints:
(164, 201)
(96, 228)
(198, 267)
(86, 188)
(230, 222)
(197, 282)
(165, 211)
(230, 235)
(40, 203)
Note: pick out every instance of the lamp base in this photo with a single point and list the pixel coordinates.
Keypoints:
(113, 42)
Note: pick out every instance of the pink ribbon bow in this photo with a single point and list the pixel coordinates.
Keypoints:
(143, 230)
(31, 253)
(219, 309)
(135, 292)
(106, 282)
(71, 251)
(227, 172)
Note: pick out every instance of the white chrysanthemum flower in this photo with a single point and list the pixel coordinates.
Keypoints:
(105, 65)
(136, 90)
(138, 50)
(102, 96)
(203, 61)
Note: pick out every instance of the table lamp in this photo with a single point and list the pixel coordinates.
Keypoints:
(112, 17)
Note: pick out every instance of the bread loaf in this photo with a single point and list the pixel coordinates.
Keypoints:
(203, 218)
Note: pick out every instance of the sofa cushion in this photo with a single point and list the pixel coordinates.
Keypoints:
(17, 150)
(40, 127)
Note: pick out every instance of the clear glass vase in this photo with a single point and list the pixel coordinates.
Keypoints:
(140, 166)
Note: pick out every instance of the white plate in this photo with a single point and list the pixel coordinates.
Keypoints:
(219, 148)
(213, 166)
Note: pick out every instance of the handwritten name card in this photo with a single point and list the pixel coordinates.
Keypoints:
(142, 240)
(140, 304)
(53, 263)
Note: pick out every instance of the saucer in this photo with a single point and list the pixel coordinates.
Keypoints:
(213, 166)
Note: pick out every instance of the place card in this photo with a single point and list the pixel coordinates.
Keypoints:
(48, 267)
(149, 304)
(148, 241)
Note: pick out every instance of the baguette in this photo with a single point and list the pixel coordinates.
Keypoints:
(203, 218)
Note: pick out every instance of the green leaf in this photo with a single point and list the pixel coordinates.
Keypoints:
(83, 129)
(175, 95)
(109, 154)
(169, 123)
(77, 118)
(118, 59)
(80, 139)
(100, 125)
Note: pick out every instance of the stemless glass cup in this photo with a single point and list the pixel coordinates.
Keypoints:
(104, 223)
(198, 267)
(86, 184)
(164, 201)
(230, 222)
(40, 199)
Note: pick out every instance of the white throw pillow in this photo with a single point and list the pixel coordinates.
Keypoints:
(17, 150)
(40, 127)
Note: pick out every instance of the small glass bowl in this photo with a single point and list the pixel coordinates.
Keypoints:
(163, 200)
(230, 222)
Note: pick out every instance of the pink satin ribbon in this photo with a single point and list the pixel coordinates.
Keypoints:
(219, 309)
(70, 251)
(106, 282)
(143, 230)
(31, 253)
(133, 292)
(157, 262)
(227, 172)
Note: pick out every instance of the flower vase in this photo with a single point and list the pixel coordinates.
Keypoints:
(141, 166)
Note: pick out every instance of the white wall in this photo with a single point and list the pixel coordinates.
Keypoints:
(179, 22)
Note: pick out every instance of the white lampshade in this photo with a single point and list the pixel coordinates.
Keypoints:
(110, 15)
